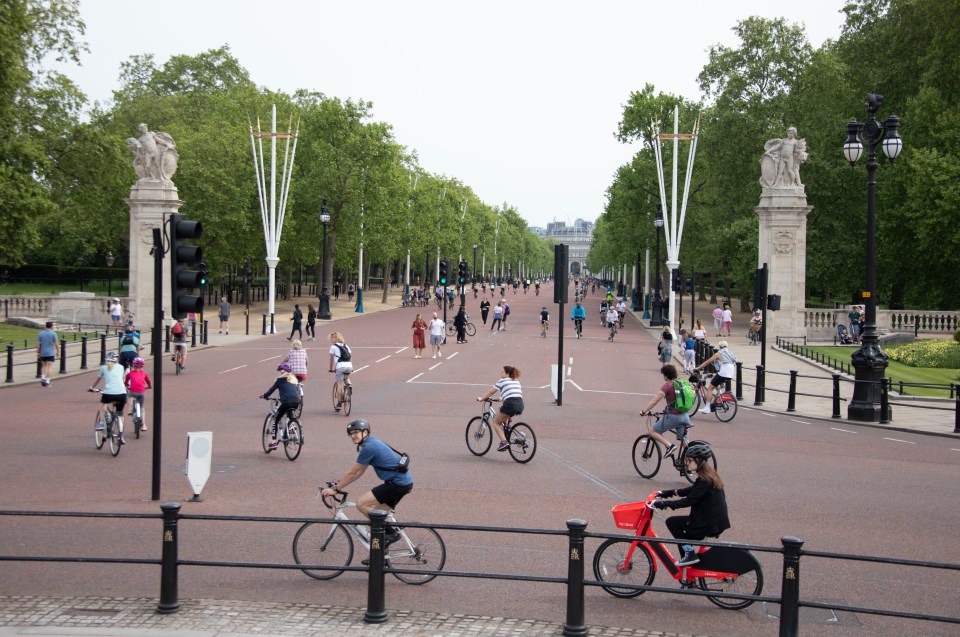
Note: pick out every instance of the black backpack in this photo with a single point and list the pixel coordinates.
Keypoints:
(344, 352)
(128, 340)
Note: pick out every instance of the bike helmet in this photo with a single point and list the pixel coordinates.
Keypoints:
(358, 425)
(112, 356)
(284, 367)
(699, 451)
(138, 362)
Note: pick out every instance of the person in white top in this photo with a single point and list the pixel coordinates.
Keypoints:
(512, 395)
(728, 369)
(116, 312)
(621, 310)
(437, 327)
(727, 320)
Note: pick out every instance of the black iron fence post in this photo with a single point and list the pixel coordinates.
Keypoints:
(264, 330)
(206, 331)
(63, 356)
(39, 367)
(956, 412)
(83, 352)
(376, 605)
(836, 396)
(166, 339)
(169, 602)
(10, 366)
(575, 625)
(885, 415)
(792, 396)
(103, 349)
(193, 337)
(739, 381)
(758, 393)
(790, 587)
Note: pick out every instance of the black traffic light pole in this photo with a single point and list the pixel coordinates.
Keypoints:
(157, 362)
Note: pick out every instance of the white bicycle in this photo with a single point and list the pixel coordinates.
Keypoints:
(330, 544)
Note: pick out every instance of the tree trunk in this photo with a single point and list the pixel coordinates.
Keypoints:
(713, 288)
(386, 282)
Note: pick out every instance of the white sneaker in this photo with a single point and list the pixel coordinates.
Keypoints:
(440, 354)
(434, 356)
(705, 410)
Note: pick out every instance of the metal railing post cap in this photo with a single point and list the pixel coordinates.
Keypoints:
(791, 540)
(576, 524)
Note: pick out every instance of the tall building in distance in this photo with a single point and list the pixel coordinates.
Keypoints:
(577, 237)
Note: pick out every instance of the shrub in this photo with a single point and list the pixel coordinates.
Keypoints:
(956, 336)
(938, 353)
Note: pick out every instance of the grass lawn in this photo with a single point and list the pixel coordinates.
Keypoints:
(900, 372)
(98, 287)
(27, 337)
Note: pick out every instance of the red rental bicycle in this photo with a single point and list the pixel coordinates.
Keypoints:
(721, 569)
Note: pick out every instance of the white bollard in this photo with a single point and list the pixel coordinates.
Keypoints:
(199, 455)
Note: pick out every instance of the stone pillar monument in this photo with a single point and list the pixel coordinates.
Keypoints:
(152, 197)
(783, 214)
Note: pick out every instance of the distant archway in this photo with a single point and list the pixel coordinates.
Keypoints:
(575, 268)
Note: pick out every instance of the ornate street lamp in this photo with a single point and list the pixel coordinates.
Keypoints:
(324, 312)
(109, 259)
(657, 318)
(870, 362)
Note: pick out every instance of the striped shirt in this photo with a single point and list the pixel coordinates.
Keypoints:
(509, 388)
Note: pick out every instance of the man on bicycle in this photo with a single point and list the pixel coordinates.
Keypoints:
(179, 336)
(544, 321)
(578, 314)
(621, 310)
(611, 320)
(672, 419)
(728, 367)
(374, 452)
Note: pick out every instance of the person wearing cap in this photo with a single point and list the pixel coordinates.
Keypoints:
(116, 312)
(286, 386)
(114, 391)
(728, 368)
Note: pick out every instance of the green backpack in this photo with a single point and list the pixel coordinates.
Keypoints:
(685, 398)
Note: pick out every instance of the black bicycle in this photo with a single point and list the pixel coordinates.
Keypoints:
(479, 434)
(290, 434)
(647, 454)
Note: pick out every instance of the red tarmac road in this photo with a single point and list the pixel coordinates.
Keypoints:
(840, 487)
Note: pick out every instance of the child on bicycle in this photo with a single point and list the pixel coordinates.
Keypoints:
(512, 395)
(114, 391)
(286, 386)
(705, 497)
(137, 383)
(672, 419)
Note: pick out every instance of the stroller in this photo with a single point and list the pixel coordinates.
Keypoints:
(843, 336)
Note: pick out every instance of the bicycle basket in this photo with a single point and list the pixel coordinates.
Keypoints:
(627, 516)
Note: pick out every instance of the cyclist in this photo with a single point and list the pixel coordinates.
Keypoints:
(114, 391)
(728, 367)
(544, 321)
(129, 347)
(578, 314)
(512, 395)
(341, 359)
(672, 419)
(286, 386)
(705, 497)
(536, 285)
(374, 452)
(603, 313)
(622, 309)
(298, 360)
(756, 324)
(179, 336)
(137, 383)
(611, 320)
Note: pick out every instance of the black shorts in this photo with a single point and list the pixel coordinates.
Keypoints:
(48, 359)
(390, 494)
(512, 407)
(718, 380)
(120, 400)
(126, 358)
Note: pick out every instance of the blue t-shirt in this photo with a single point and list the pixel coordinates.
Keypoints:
(113, 379)
(690, 343)
(383, 459)
(47, 339)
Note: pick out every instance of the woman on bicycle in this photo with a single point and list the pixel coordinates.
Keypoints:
(137, 383)
(298, 360)
(672, 419)
(341, 357)
(512, 395)
(286, 386)
(708, 505)
(728, 367)
(114, 391)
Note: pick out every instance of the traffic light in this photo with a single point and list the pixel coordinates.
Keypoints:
(676, 281)
(183, 256)
(462, 272)
(443, 275)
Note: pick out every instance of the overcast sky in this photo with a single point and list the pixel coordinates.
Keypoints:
(518, 99)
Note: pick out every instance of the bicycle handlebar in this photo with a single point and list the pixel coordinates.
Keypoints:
(490, 400)
(339, 498)
(94, 391)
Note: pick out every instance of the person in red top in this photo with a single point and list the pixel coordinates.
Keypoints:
(137, 383)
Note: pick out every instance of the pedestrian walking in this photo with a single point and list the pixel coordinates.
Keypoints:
(336, 291)
(717, 320)
(311, 322)
(506, 314)
(484, 308)
(497, 317)
(437, 328)
(727, 320)
(350, 291)
(297, 319)
(460, 322)
(47, 352)
(419, 329)
(192, 319)
(116, 312)
(665, 348)
(224, 316)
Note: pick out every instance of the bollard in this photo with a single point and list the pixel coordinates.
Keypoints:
(169, 560)
(153, 342)
(885, 383)
(376, 613)
(83, 352)
(247, 315)
(758, 394)
(792, 396)
(9, 363)
(103, 349)
(166, 339)
(264, 331)
(739, 380)
(273, 326)
(39, 367)
(193, 337)
(575, 625)
(790, 587)
(63, 356)
(956, 412)
(836, 396)
(206, 331)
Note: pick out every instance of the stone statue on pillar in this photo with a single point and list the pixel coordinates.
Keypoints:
(154, 155)
(781, 159)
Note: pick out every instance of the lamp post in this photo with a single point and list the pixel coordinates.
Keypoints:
(109, 259)
(79, 273)
(473, 271)
(657, 305)
(870, 362)
(324, 313)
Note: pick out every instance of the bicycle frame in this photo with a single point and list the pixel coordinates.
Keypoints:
(401, 548)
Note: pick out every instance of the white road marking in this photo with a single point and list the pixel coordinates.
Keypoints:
(898, 440)
(361, 369)
(232, 369)
(802, 422)
(846, 431)
(429, 369)
(586, 474)
(769, 415)
(575, 385)
(569, 371)
(401, 350)
(384, 358)
(415, 377)
(954, 449)
(268, 359)
(571, 361)
(452, 355)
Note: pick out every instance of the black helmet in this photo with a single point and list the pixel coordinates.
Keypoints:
(699, 451)
(358, 425)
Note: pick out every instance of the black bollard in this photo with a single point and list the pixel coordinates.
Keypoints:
(790, 587)
(956, 411)
(10, 364)
(103, 349)
(836, 396)
(885, 401)
(376, 606)
(169, 602)
(83, 352)
(264, 331)
(63, 356)
(739, 393)
(792, 396)
(166, 339)
(575, 625)
(206, 331)
(758, 393)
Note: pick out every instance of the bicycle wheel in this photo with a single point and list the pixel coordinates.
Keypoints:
(99, 435)
(294, 441)
(725, 407)
(113, 435)
(647, 456)
(347, 400)
(421, 549)
(523, 442)
(697, 403)
(451, 329)
(471, 329)
(322, 544)
(610, 565)
(749, 583)
(337, 393)
(691, 476)
(479, 437)
(299, 410)
(137, 419)
(267, 437)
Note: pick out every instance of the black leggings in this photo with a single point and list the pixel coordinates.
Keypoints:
(311, 330)
(282, 411)
(677, 525)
